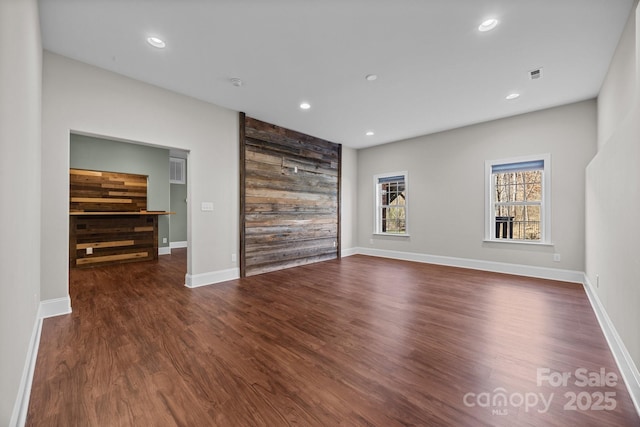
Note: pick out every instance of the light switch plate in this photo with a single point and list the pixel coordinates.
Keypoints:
(206, 206)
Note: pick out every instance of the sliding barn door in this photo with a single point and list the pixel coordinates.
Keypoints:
(290, 198)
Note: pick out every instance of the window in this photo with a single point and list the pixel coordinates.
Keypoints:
(517, 206)
(177, 170)
(391, 203)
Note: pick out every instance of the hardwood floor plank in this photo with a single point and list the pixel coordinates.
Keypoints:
(360, 341)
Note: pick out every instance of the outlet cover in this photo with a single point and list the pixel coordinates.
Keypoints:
(206, 206)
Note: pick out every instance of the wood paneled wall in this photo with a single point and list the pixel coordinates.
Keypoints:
(97, 191)
(290, 193)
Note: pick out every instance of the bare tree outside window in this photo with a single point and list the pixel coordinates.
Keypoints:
(518, 199)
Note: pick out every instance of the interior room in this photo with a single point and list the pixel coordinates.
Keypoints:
(319, 213)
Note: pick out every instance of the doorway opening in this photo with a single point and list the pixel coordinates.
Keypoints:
(163, 194)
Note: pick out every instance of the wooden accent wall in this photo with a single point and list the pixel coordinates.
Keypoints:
(108, 222)
(290, 193)
(97, 191)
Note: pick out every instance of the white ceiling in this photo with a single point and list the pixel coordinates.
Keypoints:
(436, 70)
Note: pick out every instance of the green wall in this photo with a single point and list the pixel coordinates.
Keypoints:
(106, 155)
(179, 206)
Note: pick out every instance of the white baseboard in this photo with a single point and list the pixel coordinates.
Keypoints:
(496, 267)
(177, 245)
(21, 405)
(164, 250)
(627, 367)
(54, 307)
(210, 278)
(348, 252)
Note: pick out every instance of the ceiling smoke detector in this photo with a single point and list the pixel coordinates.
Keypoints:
(535, 74)
(236, 82)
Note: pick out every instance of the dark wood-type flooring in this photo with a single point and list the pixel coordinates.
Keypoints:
(360, 341)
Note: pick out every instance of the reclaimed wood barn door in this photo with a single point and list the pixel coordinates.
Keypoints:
(289, 198)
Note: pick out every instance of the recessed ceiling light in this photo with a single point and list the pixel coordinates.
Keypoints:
(370, 133)
(512, 96)
(156, 42)
(371, 77)
(488, 25)
(305, 105)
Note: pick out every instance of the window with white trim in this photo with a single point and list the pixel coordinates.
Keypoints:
(391, 203)
(518, 199)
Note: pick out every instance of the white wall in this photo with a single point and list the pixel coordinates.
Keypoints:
(613, 196)
(78, 97)
(618, 93)
(348, 192)
(447, 193)
(20, 106)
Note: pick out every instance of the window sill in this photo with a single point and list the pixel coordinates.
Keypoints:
(519, 242)
(391, 235)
